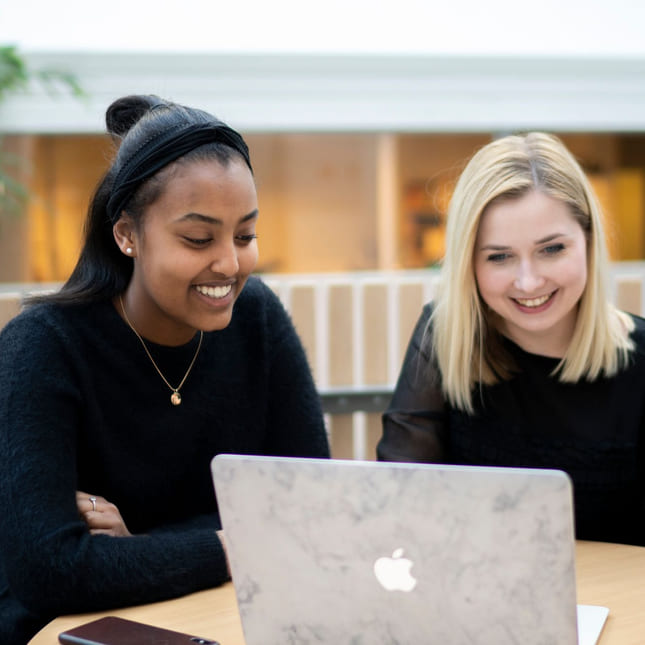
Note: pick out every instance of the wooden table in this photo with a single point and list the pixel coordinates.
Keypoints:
(612, 575)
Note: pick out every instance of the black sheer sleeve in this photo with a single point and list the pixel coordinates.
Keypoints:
(414, 425)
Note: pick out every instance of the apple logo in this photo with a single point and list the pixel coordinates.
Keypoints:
(394, 573)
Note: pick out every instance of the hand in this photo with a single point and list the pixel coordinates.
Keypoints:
(102, 517)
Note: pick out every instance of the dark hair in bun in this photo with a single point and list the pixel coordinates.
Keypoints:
(126, 111)
(152, 135)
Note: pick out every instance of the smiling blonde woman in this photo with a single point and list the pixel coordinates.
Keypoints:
(521, 360)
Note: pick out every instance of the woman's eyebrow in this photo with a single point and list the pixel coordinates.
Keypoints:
(209, 219)
(494, 247)
(501, 247)
(548, 238)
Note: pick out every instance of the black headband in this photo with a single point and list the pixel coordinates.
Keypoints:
(158, 152)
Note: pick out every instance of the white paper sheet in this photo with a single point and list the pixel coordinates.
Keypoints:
(591, 619)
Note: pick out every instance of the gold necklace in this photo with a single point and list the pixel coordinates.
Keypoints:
(175, 397)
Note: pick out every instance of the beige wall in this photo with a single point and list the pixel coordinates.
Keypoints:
(14, 251)
(328, 202)
(427, 170)
(67, 170)
(40, 242)
(317, 201)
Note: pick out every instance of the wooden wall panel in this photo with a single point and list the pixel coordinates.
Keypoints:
(629, 294)
(374, 336)
(10, 304)
(302, 307)
(342, 436)
(373, 434)
(341, 336)
(411, 301)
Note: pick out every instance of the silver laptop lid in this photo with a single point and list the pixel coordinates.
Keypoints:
(357, 552)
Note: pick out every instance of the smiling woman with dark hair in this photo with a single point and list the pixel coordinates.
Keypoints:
(159, 352)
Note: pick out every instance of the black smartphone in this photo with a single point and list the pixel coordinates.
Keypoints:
(112, 630)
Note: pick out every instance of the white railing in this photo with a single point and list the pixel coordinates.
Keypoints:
(355, 328)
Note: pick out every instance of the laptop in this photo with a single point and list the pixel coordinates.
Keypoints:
(367, 553)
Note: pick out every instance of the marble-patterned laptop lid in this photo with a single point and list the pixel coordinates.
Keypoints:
(355, 552)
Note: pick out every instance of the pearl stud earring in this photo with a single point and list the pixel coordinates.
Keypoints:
(128, 251)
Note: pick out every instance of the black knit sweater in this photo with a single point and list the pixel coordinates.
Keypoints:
(82, 408)
(594, 431)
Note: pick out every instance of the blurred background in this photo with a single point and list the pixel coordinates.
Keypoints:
(359, 115)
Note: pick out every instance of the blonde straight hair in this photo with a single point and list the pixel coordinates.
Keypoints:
(465, 341)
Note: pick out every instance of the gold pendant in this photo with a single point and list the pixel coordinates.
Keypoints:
(175, 398)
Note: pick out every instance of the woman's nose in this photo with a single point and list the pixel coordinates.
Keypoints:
(225, 260)
(528, 278)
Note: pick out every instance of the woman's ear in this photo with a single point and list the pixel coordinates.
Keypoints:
(125, 235)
